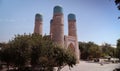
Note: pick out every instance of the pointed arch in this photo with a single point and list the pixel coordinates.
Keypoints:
(71, 47)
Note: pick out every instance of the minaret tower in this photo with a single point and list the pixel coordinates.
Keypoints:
(72, 31)
(38, 24)
(57, 24)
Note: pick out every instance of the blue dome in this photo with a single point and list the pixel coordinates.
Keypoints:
(58, 9)
(38, 16)
(71, 17)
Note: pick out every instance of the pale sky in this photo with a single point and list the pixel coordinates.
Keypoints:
(96, 19)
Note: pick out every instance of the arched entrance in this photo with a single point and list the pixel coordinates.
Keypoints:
(71, 47)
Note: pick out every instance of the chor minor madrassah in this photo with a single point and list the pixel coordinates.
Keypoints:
(57, 30)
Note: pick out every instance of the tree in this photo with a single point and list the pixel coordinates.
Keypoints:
(36, 51)
(84, 50)
(117, 2)
(118, 48)
(47, 55)
(89, 50)
(6, 57)
(108, 50)
(95, 51)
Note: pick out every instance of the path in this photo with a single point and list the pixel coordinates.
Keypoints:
(85, 66)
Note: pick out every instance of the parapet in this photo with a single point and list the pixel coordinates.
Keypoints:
(58, 9)
(71, 17)
(38, 17)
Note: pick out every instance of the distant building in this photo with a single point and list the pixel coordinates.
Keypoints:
(57, 30)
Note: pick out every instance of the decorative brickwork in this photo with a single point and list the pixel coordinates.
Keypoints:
(57, 30)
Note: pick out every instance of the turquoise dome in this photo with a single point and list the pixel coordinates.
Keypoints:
(71, 17)
(58, 9)
(38, 16)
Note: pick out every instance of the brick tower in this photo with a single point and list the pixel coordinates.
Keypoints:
(57, 26)
(72, 31)
(57, 30)
(38, 24)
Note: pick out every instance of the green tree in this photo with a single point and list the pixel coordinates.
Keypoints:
(89, 50)
(47, 55)
(37, 51)
(118, 3)
(118, 48)
(6, 56)
(108, 50)
(95, 51)
(83, 49)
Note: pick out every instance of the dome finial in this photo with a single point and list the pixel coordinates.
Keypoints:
(58, 9)
(71, 16)
(38, 16)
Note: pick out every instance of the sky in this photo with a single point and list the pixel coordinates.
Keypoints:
(97, 20)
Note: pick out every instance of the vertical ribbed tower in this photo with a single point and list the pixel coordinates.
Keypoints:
(72, 25)
(72, 31)
(38, 24)
(58, 26)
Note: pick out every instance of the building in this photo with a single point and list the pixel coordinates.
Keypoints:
(57, 30)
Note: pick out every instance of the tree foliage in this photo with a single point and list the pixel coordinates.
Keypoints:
(36, 51)
(118, 48)
(117, 2)
(108, 50)
(91, 50)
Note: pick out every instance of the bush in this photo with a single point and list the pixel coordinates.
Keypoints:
(38, 52)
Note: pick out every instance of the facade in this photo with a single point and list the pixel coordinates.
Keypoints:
(57, 30)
